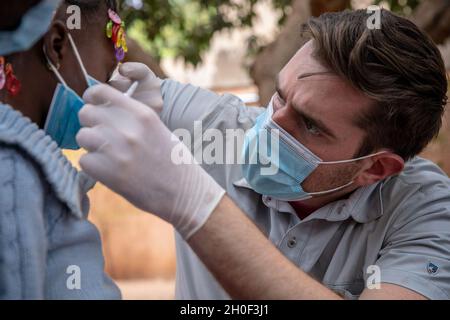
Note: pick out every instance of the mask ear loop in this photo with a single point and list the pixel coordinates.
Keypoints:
(77, 56)
(352, 160)
(54, 69)
(322, 193)
(351, 182)
(80, 62)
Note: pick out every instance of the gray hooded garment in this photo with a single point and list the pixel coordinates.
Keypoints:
(48, 250)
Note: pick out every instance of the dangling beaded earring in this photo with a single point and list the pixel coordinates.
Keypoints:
(8, 79)
(115, 30)
(2, 73)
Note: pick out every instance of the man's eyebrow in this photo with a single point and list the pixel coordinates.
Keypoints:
(311, 74)
(316, 122)
(300, 77)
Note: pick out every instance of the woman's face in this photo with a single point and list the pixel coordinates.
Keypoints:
(39, 83)
(96, 51)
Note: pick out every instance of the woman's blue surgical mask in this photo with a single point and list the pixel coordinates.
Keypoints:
(62, 122)
(276, 164)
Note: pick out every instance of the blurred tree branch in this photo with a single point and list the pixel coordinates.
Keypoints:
(273, 58)
(433, 16)
(184, 29)
(137, 54)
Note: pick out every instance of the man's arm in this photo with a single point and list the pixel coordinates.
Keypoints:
(241, 258)
(248, 266)
(245, 262)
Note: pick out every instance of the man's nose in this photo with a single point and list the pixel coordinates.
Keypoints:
(279, 115)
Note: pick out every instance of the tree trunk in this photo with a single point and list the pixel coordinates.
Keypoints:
(137, 54)
(274, 57)
(445, 51)
(433, 16)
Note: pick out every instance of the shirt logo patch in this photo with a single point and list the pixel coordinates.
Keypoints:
(432, 268)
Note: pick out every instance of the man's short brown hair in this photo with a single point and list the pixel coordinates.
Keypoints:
(398, 66)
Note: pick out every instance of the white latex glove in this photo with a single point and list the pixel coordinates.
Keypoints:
(149, 90)
(130, 151)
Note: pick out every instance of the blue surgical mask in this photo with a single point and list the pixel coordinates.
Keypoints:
(62, 122)
(276, 164)
(33, 26)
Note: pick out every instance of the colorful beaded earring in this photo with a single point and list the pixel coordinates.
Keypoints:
(8, 79)
(115, 30)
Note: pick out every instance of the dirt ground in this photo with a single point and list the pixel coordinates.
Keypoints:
(156, 289)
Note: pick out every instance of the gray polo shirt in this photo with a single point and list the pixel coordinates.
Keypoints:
(397, 231)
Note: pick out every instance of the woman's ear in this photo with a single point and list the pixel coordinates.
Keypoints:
(379, 168)
(56, 42)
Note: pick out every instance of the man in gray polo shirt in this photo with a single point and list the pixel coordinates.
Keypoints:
(360, 211)
(395, 218)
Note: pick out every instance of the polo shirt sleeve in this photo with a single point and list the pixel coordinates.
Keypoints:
(416, 251)
(184, 104)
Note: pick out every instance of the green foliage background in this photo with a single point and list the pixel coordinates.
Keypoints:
(184, 28)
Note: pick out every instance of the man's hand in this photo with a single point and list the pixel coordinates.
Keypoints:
(130, 151)
(149, 89)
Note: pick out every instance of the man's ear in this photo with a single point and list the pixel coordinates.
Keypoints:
(56, 42)
(379, 168)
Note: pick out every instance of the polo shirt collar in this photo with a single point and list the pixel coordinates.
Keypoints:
(363, 206)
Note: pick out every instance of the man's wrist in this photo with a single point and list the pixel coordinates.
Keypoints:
(213, 201)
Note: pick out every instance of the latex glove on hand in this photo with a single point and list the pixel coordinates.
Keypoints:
(149, 90)
(130, 151)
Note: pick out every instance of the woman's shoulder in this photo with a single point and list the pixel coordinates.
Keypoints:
(16, 166)
(40, 160)
(36, 226)
(22, 222)
(21, 182)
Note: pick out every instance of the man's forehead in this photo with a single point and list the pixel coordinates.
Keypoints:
(305, 70)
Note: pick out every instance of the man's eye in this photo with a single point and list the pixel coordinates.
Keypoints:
(312, 128)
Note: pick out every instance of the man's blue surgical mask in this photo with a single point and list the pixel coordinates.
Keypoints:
(292, 161)
(62, 122)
